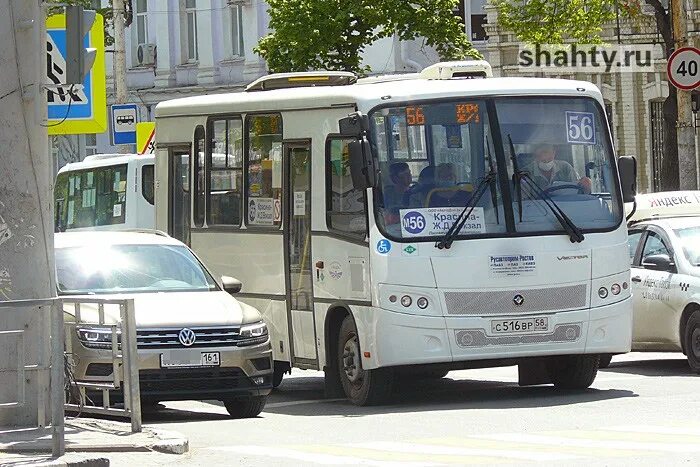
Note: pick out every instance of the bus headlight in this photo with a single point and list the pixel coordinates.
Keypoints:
(615, 289)
(603, 292)
(422, 303)
(406, 301)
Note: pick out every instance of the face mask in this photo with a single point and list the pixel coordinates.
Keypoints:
(546, 166)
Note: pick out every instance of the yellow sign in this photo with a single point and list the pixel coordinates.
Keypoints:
(77, 109)
(145, 137)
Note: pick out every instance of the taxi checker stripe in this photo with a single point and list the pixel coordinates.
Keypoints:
(684, 286)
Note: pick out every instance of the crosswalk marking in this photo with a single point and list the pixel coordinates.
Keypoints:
(552, 446)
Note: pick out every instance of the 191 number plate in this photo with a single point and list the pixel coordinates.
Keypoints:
(517, 326)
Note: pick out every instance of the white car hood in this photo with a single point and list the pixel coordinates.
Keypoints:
(172, 309)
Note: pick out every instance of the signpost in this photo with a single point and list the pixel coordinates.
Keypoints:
(76, 109)
(124, 119)
(684, 68)
(145, 137)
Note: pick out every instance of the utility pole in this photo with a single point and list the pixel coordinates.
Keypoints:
(120, 89)
(685, 128)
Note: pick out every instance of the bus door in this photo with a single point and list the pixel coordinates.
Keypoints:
(179, 194)
(300, 305)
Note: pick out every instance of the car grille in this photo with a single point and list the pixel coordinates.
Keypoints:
(205, 337)
(192, 380)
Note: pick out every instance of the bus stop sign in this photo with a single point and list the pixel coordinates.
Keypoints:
(684, 68)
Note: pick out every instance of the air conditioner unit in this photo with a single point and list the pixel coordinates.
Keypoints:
(146, 54)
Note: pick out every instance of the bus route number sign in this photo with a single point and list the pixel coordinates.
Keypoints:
(460, 114)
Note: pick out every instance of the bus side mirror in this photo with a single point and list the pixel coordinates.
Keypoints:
(361, 164)
(231, 285)
(627, 168)
(354, 125)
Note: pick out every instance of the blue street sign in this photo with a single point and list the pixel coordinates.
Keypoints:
(123, 127)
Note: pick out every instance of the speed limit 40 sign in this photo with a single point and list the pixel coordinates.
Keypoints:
(684, 68)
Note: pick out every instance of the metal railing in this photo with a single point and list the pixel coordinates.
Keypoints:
(124, 355)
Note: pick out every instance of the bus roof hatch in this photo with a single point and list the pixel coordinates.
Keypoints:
(302, 79)
(458, 69)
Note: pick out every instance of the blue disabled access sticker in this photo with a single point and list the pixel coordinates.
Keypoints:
(383, 246)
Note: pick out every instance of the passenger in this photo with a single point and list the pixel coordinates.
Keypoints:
(448, 192)
(545, 170)
(417, 195)
(401, 178)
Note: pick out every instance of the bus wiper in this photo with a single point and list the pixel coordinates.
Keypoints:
(492, 184)
(575, 233)
(449, 237)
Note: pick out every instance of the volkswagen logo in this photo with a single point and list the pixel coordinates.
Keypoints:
(518, 300)
(187, 337)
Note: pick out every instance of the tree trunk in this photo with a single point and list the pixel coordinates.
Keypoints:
(669, 162)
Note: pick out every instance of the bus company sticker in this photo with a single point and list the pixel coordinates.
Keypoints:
(117, 210)
(512, 265)
(261, 211)
(383, 246)
(335, 270)
(299, 203)
(410, 250)
(424, 222)
(580, 127)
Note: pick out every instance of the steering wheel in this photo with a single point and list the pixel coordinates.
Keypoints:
(568, 186)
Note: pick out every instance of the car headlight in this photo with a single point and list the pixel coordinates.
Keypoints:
(252, 334)
(96, 338)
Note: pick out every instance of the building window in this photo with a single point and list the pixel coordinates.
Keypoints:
(191, 14)
(225, 157)
(477, 20)
(264, 170)
(141, 22)
(237, 49)
(90, 144)
(345, 205)
(198, 163)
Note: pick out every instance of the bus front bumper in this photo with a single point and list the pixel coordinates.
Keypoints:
(403, 339)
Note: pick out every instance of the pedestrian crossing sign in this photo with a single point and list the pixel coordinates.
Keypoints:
(145, 137)
(84, 109)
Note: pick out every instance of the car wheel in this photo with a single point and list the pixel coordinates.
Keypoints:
(692, 341)
(245, 408)
(362, 387)
(573, 371)
(605, 360)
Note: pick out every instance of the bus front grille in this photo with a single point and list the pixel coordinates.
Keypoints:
(497, 302)
(477, 337)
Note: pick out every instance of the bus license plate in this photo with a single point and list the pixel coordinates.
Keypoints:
(517, 326)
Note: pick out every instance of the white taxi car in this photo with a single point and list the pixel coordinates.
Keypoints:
(664, 248)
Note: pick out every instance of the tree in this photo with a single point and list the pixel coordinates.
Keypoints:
(332, 34)
(554, 21)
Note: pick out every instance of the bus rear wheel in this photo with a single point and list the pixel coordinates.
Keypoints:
(573, 371)
(362, 387)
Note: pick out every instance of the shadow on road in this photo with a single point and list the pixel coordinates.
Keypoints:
(162, 414)
(303, 397)
(664, 367)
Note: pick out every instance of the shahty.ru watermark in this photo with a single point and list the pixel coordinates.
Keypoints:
(592, 58)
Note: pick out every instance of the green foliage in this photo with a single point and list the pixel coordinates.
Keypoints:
(332, 34)
(107, 13)
(554, 21)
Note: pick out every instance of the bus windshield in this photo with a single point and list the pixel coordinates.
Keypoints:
(91, 197)
(433, 157)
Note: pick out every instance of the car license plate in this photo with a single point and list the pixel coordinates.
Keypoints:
(519, 326)
(178, 358)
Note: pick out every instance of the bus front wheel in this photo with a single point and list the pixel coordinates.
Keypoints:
(573, 371)
(362, 387)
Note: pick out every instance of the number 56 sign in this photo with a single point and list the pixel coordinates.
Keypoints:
(684, 68)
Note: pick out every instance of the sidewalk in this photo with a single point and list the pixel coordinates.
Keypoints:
(32, 446)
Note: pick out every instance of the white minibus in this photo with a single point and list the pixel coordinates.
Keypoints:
(409, 225)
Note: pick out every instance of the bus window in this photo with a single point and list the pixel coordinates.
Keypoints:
(92, 197)
(147, 176)
(345, 205)
(225, 172)
(264, 164)
(198, 163)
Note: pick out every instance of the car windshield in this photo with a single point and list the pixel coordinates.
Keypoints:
(433, 156)
(129, 268)
(690, 240)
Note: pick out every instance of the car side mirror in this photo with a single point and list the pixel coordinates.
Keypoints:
(231, 284)
(627, 168)
(661, 262)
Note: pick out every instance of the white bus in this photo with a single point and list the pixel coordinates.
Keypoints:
(106, 192)
(338, 212)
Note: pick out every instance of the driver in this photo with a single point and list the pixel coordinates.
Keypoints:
(546, 170)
